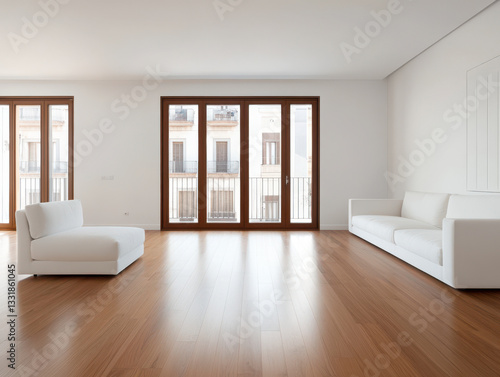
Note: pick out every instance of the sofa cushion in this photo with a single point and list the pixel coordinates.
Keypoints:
(385, 226)
(426, 243)
(474, 207)
(427, 207)
(49, 218)
(88, 244)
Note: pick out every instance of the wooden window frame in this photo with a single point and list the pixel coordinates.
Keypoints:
(284, 159)
(44, 102)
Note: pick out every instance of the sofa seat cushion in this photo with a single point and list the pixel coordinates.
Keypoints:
(426, 243)
(88, 244)
(385, 226)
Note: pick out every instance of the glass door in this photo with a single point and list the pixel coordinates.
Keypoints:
(239, 163)
(6, 209)
(223, 132)
(59, 142)
(265, 163)
(29, 155)
(36, 154)
(183, 163)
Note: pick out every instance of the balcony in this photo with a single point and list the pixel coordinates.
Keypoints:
(182, 115)
(27, 167)
(226, 115)
(265, 199)
(189, 167)
(223, 199)
(29, 190)
(228, 167)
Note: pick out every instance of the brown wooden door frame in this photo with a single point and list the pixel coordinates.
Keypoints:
(315, 163)
(44, 103)
(12, 166)
(244, 103)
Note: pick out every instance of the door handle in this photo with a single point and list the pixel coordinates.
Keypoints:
(287, 179)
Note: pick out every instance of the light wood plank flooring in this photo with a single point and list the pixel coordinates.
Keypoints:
(251, 304)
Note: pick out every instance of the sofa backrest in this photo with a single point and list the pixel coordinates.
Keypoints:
(474, 207)
(427, 207)
(49, 218)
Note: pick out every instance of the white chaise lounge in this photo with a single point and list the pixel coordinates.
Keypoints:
(51, 240)
(454, 238)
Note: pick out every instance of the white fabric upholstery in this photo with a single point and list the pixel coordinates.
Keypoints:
(385, 226)
(474, 207)
(471, 253)
(424, 242)
(51, 240)
(83, 268)
(49, 218)
(465, 253)
(88, 244)
(427, 207)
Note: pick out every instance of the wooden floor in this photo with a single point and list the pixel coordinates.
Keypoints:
(252, 304)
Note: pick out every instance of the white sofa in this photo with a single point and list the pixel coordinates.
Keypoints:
(454, 238)
(52, 240)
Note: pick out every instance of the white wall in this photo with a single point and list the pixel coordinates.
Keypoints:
(426, 97)
(353, 141)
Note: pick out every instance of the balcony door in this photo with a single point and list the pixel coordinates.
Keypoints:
(36, 153)
(253, 163)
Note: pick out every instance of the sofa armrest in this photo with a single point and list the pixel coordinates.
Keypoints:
(382, 207)
(23, 243)
(471, 253)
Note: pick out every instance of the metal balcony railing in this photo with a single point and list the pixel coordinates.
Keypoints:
(301, 199)
(265, 199)
(230, 115)
(182, 115)
(230, 167)
(30, 190)
(34, 167)
(183, 167)
(222, 199)
(29, 166)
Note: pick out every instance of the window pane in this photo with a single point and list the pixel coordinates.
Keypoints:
(28, 152)
(223, 163)
(4, 164)
(300, 163)
(264, 163)
(58, 152)
(183, 163)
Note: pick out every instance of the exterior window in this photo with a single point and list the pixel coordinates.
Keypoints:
(187, 205)
(178, 157)
(271, 207)
(222, 205)
(271, 149)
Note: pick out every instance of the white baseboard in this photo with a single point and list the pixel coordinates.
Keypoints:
(143, 226)
(333, 227)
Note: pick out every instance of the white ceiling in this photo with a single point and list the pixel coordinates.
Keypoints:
(118, 39)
